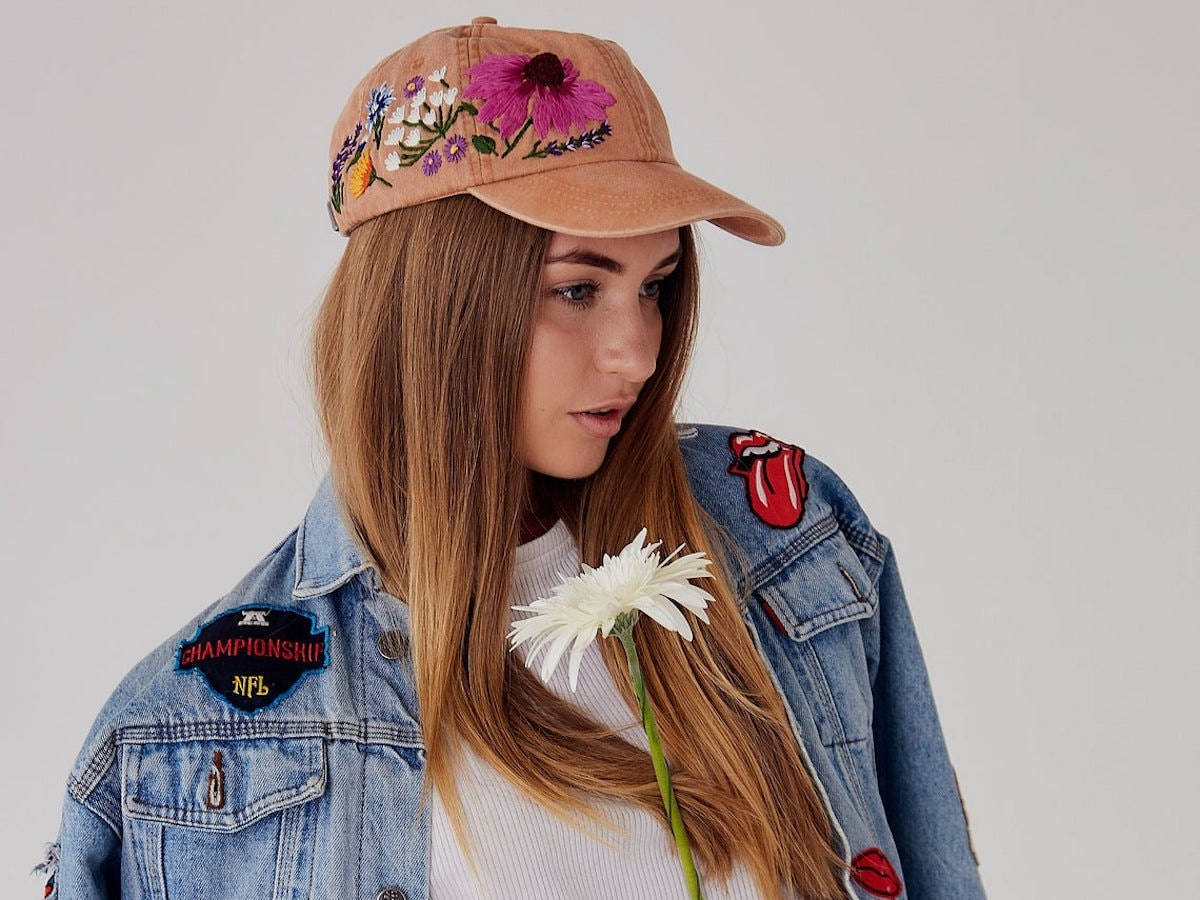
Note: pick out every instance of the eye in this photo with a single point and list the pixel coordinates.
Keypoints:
(577, 295)
(652, 290)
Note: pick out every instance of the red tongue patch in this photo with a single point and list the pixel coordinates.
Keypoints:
(872, 871)
(775, 483)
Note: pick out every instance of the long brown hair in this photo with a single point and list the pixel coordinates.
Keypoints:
(419, 347)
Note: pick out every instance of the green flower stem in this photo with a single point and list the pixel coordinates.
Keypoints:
(511, 145)
(661, 772)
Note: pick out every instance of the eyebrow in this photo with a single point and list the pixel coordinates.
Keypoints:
(607, 263)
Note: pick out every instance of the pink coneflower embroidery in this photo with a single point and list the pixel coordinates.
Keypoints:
(513, 83)
(455, 149)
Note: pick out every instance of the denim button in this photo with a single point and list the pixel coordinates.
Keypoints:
(391, 894)
(392, 645)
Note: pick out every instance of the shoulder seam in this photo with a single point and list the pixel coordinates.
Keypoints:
(81, 787)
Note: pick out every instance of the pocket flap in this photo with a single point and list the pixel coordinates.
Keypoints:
(223, 785)
(824, 586)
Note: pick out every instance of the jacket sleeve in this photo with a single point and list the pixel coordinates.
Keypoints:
(89, 864)
(917, 783)
(89, 838)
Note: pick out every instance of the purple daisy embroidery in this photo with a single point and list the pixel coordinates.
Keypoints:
(456, 148)
(431, 163)
(412, 86)
(510, 84)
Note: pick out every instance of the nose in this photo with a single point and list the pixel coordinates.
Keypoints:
(629, 340)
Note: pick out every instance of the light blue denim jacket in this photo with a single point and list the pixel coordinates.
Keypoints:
(306, 783)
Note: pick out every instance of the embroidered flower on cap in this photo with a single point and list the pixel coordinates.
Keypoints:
(511, 83)
(455, 149)
(416, 84)
(544, 92)
(381, 98)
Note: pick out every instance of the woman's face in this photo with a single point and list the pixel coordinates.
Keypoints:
(596, 334)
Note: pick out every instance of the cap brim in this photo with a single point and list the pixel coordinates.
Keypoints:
(622, 198)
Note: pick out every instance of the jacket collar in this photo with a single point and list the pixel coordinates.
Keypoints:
(326, 555)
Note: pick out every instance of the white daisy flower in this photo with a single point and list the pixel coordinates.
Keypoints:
(633, 582)
(435, 99)
(392, 163)
(437, 74)
(450, 95)
(395, 136)
(429, 118)
(414, 138)
(398, 115)
(418, 98)
(414, 114)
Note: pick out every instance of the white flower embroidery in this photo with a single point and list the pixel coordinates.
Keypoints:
(437, 74)
(429, 118)
(395, 136)
(392, 163)
(398, 116)
(435, 99)
(633, 582)
(414, 114)
(450, 95)
(414, 138)
(418, 98)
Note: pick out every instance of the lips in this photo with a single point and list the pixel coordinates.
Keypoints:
(873, 871)
(775, 483)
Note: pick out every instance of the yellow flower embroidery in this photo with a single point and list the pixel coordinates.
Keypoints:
(360, 174)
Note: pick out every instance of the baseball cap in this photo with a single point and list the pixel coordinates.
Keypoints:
(556, 129)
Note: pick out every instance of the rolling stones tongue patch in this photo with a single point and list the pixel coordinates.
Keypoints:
(774, 477)
(253, 656)
(872, 871)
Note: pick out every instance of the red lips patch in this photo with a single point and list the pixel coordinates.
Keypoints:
(775, 481)
(872, 871)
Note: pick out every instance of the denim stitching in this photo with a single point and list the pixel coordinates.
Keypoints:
(181, 732)
(816, 676)
(805, 541)
(289, 837)
(104, 756)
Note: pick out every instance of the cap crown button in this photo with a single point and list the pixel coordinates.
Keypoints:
(483, 20)
(391, 894)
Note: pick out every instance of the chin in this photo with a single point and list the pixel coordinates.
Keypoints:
(568, 468)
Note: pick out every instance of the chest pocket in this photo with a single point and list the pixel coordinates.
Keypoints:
(224, 818)
(815, 602)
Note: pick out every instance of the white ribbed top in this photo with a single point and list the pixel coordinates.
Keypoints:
(522, 850)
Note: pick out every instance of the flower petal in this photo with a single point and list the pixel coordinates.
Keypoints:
(665, 614)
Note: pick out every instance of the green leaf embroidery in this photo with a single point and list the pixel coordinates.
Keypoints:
(484, 144)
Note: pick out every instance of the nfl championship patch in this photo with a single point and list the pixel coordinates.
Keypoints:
(254, 656)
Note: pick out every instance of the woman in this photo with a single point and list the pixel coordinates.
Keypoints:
(497, 361)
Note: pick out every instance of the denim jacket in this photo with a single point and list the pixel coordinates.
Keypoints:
(272, 748)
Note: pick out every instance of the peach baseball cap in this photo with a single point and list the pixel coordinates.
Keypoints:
(556, 129)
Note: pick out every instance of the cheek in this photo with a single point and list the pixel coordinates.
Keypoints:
(654, 328)
(553, 354)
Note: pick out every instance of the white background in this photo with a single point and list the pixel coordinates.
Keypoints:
(984, 318)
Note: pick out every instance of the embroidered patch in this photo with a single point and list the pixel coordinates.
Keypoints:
(518, 92)
(774, 474)
(872, 871)
(253, 656)
(48, 867)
